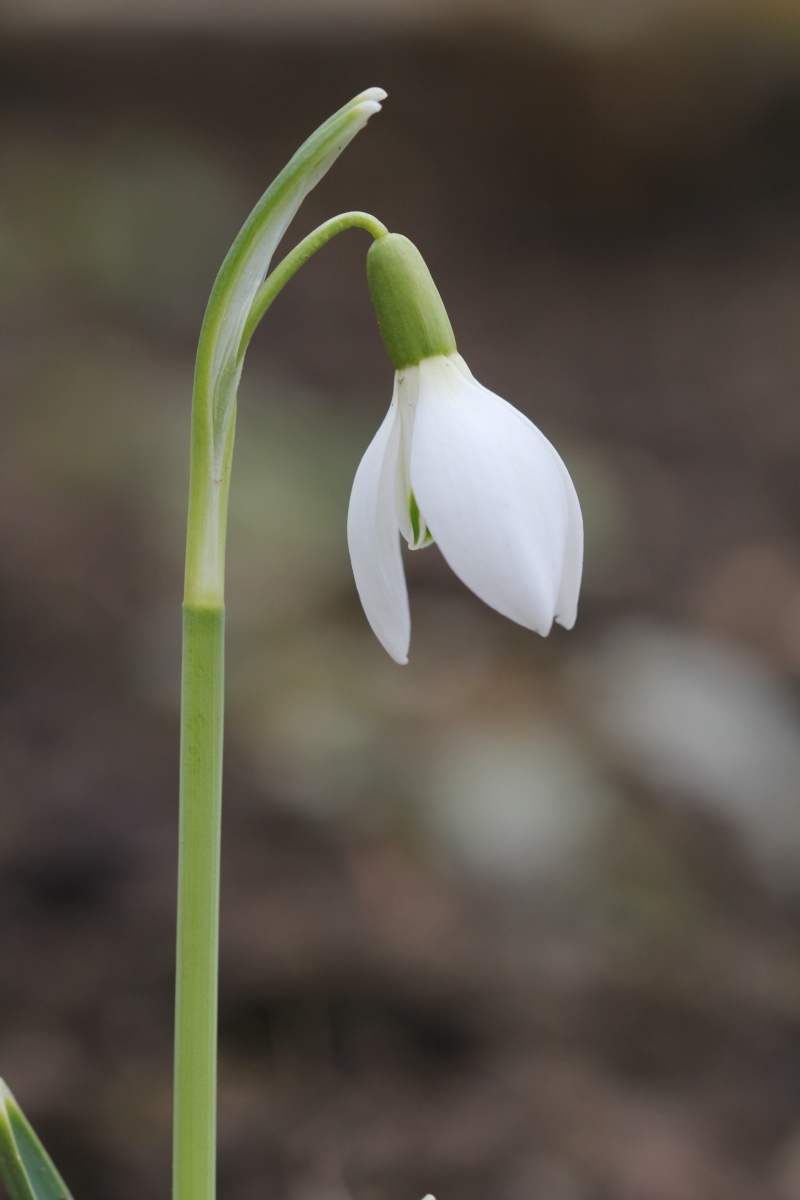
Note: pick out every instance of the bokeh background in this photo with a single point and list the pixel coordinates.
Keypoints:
(521, 920)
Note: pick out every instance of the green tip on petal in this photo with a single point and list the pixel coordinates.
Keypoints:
(413, 512)
(412, 318)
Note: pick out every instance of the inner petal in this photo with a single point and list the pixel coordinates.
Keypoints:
(421, 535)
(410, 519)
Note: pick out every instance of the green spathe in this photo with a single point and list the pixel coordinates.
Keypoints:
(239, 299)
(412, 319)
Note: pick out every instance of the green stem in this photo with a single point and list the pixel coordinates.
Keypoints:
(194, 1163)
(202, 700)
(302, 252)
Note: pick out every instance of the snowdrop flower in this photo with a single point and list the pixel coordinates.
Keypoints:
(455, 464)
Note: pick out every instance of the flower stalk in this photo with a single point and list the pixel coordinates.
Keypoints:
(239, 299)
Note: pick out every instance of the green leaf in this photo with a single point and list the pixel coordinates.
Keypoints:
(25, 1166)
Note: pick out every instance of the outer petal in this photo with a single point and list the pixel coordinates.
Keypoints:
(567, 602)
(493, 493)
(374, 539)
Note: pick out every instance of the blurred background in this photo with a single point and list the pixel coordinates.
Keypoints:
(521, 920)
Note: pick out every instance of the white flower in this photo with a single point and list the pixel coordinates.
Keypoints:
(454, 463)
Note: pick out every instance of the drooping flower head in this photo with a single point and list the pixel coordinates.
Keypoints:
(455, 464)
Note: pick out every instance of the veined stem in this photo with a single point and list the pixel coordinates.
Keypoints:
(202, 702)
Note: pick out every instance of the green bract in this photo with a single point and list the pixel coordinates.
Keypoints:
(220, 351)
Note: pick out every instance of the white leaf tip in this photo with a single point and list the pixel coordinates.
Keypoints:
(367, 109)
(369, 102)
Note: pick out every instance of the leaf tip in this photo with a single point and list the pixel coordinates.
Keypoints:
(369, 102)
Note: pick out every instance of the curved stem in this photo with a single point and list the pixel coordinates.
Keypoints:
(287, 267)
(202, 701)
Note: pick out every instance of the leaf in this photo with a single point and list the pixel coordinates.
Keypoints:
(25, 1166)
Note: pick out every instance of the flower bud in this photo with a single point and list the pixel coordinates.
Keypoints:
(411, 316)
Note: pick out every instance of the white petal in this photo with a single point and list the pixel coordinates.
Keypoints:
(492, 491)
(412, 527)
(406, 385)
(567, 602)
(374, 540)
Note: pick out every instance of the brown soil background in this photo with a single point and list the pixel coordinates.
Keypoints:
(616, 233)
